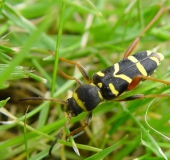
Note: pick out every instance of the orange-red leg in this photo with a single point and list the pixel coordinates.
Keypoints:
(142, 96)
(80, 67)
(133, 45)
(136, 80)
(86, 123)
(70, 77)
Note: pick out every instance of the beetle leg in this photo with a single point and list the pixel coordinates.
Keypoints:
(70, 77)
(133, 45)
(86, 123)
(142, 96)
(138, 78)
(80, 67)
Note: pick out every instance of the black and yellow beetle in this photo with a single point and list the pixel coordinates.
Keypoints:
(111, 82)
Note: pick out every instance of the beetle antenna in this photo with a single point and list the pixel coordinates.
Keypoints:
(60, 134)
(52, 100)
(44, 99)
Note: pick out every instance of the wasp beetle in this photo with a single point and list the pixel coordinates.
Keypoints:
(111, 82)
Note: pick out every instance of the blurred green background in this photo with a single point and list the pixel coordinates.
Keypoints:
(95, 34)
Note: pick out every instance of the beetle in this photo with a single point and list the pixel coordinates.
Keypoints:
(110, 83)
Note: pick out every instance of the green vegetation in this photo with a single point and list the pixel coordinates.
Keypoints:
(94, 34)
